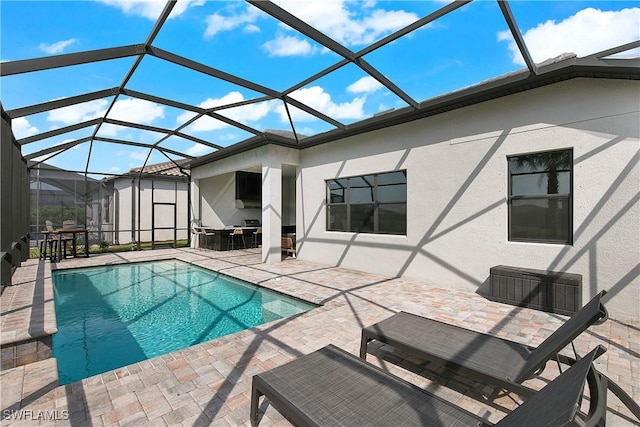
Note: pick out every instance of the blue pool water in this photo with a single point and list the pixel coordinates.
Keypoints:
(112, 316)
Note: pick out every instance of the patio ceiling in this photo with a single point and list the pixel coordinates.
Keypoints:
(146, 70)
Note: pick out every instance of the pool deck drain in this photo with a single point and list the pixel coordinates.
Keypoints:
(210, 383)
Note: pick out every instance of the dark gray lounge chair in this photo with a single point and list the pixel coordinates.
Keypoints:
(331, 387)
(491, 360)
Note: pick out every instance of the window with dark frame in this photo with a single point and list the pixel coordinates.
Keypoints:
(375, 203)
(541, 197)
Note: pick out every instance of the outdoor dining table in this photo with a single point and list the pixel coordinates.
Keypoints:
(73, 231)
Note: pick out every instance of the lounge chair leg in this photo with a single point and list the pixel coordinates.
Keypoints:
(364, 341)
(255, 398)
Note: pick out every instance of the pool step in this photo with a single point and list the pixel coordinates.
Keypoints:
(22, 353)
(28, 319)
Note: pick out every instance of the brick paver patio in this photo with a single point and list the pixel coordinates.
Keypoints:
(209, 383)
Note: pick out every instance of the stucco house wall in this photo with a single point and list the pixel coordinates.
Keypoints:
(457, 191)
(122, 210)
(218, 202)
(164, 191)
(213, 187)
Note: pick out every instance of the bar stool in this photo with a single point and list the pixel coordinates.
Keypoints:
(42, 244)
(257, 235)
(66, 240)
(197, 234)
(202, 233)
(53, 249)
(233, 234)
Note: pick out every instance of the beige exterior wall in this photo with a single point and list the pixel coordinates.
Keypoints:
(122, 215)
(217, 189)
(164, 191)
(213, 191)
(457, 191)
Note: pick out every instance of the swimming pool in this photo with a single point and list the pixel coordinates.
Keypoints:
(113, 316)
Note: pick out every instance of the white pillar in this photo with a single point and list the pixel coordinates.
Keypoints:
(271, 209)
(194, 209)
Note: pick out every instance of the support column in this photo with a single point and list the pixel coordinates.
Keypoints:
(195, 211)
(271, 209)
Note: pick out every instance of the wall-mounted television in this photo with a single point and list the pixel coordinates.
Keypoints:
(249, 186)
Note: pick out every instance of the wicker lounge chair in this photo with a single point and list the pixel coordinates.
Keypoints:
(491, 360)
(331, 387)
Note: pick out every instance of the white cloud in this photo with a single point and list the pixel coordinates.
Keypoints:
(588, 31)
(77, 147)
(315, 97)
(229, 136)
(217, 23)
(338, 21)
(365, 85)
(249, 113)
(251, 28)
(151, 9)
(136, 110)
(139, 155)
(349, 23)
(114, 169)
(57, 47)
(306, 130)
(108, 129)
(197, 150)
(318, 99)
(22, 128)
(128, 109)
(78, 112)
(288, 46)
(243, 114)
(206, 123)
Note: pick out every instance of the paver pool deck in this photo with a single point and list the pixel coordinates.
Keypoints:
(210, 383)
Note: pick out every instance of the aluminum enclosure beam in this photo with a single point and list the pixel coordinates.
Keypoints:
(517, 36)
(60, 103)
(306, 29)
(59, 131)
(161, 130)
(57, 61)
(55, 148)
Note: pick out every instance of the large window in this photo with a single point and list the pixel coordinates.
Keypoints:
(540, 197)
(368, 204)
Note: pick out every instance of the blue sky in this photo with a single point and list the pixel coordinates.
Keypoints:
(469, 45)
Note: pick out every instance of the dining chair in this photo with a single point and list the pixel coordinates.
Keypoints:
(257, 236)
(232, 237)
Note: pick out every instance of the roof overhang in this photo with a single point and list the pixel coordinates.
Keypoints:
(566, 68)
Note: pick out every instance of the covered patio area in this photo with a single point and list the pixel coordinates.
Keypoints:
(209, 383)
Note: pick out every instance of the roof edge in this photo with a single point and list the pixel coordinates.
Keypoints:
(496, 88)
(563, 68)
(246, 145)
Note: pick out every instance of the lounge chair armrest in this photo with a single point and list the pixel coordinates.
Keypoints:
(568, 360)
(598, 399)
(605, 314)
(558, 402)
(624, 397)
